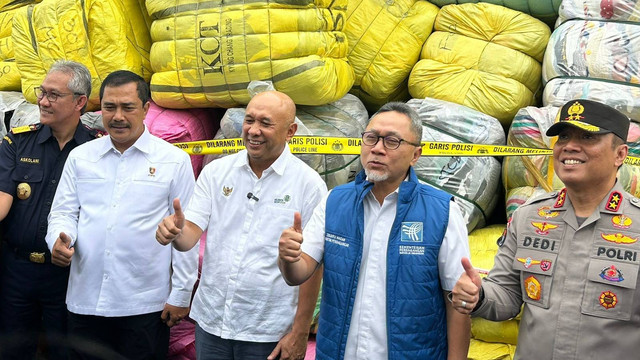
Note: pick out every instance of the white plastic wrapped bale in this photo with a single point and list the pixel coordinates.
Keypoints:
(346, 117)
(385, 39)
(473, 181)
(483, 56)
(527, 176)
(594, 49)
(625, 97)
(205, 53)
(617, 10)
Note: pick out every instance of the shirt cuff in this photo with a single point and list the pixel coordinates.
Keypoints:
(179, 298)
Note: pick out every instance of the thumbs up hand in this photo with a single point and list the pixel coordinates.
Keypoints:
(291, 240)
(61, 253)
(465, 293)
(171, 226)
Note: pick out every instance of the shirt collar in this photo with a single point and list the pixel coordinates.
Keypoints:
(44, 134)
(80, 135)
(143, 143)
(278, 166)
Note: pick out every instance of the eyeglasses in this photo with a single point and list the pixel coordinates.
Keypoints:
(390, 142)
(51, 96)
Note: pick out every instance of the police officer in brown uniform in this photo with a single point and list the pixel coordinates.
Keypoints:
(571, 256)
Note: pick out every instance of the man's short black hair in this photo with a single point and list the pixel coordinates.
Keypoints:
(122, 77)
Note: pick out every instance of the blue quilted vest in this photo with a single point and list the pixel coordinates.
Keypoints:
(416, 315)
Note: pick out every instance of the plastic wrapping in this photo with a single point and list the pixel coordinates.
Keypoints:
(482, 56)
(204, 54)
(472, 180)
(544, 10)
(617, 10)
(385, 39)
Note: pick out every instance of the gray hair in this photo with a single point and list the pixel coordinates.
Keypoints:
(408, 111)
(80, 82)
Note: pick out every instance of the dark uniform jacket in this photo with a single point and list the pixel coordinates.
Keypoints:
(31, 163)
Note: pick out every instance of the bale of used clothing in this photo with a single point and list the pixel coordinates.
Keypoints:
(481, 350)
(385, 39)
(185, 125)
(526, 176)
(483, 56)
(346, 117)
(104, 35)
(624, 97)
(9, 73)
(543, 10)
(615, 10)
(204, 54)
(605, 50)
(473, 181)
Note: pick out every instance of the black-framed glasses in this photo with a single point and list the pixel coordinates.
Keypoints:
(52, 96)
(390, 142)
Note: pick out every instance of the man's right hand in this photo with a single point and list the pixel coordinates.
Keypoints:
(290, 241)
(171, 226)
(61, 254)
(466, 291)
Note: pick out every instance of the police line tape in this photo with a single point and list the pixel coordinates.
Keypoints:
(321, 145)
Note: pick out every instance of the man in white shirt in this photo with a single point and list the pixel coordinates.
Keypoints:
(243, 307)
(391, 249)
(112, 193)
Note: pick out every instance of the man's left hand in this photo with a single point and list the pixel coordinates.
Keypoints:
(172, 315)
(292, 346)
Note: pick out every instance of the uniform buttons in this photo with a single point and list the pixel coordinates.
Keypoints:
(48, 203)
(53, 181)
(106, 277)
(26, 177)
(634, 200)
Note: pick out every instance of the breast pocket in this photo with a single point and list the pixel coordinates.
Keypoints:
(610, 289)
(536, 275)
(28, 180)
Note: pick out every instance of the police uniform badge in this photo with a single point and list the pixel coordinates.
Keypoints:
(608, 299)
(23, 191)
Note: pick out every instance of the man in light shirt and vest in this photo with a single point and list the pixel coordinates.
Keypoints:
(391, 249)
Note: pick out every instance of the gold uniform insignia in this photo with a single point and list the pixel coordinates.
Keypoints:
(543, 228)
(226, 191)
(546, 212)
(621, 221)
(23, 191)
(619, 238)
(533, 288)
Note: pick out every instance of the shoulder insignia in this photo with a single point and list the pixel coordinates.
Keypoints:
(8, 139)
(561, 198)
(25, 128)
(614, 201)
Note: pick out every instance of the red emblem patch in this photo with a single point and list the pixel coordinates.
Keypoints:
(615, 199)
(561, 198)
(545, 265)
(608, 299)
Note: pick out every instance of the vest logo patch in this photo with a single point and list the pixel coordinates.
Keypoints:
(411, 232)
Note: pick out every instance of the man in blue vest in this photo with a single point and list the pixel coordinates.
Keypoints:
(390, 248)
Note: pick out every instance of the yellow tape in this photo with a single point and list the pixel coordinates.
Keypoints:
(351, 146)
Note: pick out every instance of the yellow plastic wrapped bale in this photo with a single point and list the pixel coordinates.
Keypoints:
(9, 76)
(480, 350)
(205, 54)
(483, 56)
(385, 39)
(6, 5)
(483, 247)
(104, 35)
(9, 73)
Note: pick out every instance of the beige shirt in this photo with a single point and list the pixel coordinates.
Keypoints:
(579, 284)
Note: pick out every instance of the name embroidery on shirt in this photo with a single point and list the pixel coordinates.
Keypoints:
(29, 160)
(283, 200)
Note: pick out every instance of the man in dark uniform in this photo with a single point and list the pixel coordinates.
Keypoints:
(32, 290)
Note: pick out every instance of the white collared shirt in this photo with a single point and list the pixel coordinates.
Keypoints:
(242, 295)
(367, 339)
(110, 204)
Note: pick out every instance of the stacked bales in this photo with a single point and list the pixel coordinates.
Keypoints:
(204, 54)
(490, 340)
(473, 181)
(346, 117)
(544, 10)
(177, 126)
(385, 39)
(618, 10)
(526, 176)
(104, 35)
(483, 56)
(9, 74)
(594, 59)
